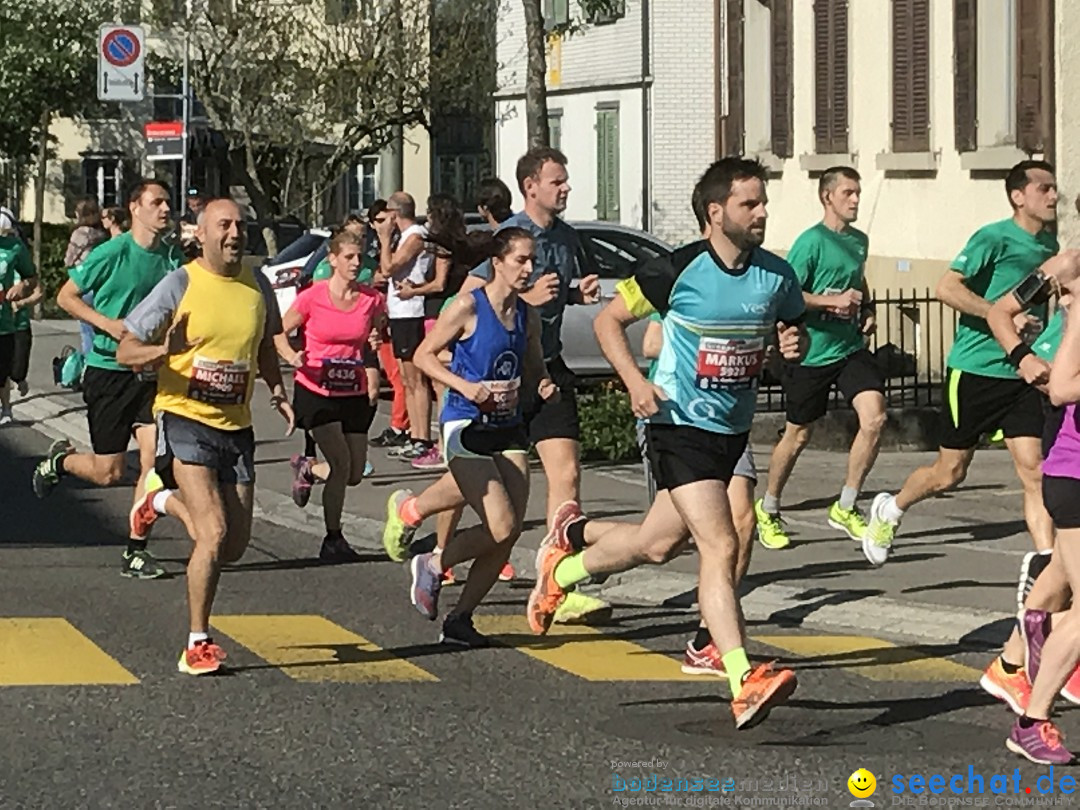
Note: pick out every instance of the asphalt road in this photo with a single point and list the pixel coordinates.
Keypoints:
(338, 697)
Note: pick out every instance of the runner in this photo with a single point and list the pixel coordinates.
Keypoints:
(495, 341)
(493, 202)
(24, 338)
(331, 394)
(981, 386)
(119, 274)
(830, 261)
(1043, 581)
(716, 322)
(219, 318)
(18, 282)
(552, 424)
(409, 262)
(1052, 643)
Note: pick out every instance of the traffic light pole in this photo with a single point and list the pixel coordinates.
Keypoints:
(186, 114)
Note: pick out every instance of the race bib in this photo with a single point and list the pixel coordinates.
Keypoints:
(219, 382)
(503, 402)
(729, 363)
(341, 376)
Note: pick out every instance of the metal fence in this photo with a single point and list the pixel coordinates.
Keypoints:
(913, 338)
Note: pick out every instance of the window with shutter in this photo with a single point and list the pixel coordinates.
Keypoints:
(732, 129)
(965, 74)
(830, 77)
(555, 128)
(781, 82)
(1035, 76)
(556, 13)
(911, 75)
(607, 164)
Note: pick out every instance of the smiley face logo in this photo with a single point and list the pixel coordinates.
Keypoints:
(862, 784)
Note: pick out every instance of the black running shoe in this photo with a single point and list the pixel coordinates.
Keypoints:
(391, 438)
(335, 549)
(458, 630)
(141, 565)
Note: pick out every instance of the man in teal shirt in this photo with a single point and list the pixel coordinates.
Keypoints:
(17, 281)
(830, 261)
(120, 273)
(983, 392)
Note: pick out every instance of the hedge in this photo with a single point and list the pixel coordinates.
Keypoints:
(608, 426)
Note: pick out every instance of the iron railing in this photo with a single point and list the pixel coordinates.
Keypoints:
(912, 342)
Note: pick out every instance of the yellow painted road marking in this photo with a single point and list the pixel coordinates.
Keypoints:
(872, 658)
(313, 648)
(585, 652)
(51, 652)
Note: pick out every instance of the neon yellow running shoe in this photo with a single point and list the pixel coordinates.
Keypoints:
(849, 521)
(580, 608)
(397, 534)
(770, 528)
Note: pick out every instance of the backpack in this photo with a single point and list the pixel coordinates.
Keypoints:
(68, 368)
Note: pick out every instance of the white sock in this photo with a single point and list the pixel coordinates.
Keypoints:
(770, 504)
(160, 499)
(890, 511)
(195, 638)
(847, 498)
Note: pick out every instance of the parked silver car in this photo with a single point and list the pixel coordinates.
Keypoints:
(609, 250)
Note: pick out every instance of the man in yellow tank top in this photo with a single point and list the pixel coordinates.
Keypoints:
(209, 327)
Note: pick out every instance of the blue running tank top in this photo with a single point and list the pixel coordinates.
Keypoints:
(493, 356)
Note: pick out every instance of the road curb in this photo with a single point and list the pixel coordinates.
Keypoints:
(818, 609)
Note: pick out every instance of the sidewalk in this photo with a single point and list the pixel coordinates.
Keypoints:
(952, 579)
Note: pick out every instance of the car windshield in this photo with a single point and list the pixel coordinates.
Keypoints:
(304, 246)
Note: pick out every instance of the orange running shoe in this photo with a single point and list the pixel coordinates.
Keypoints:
(507, 573)
(546, 595)
(1011, 689)
(448, 577)
(567, 512)
(1071, 690)
(143, 516)
(762, 691)
(202, 659)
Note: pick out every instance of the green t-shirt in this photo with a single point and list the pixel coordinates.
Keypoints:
(828, 263)
(323, 271)
(1046, 344)
(15, 264)
(654, 318)
(120, 274)
(996, 258)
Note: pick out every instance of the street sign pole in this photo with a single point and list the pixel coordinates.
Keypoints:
(185, 117)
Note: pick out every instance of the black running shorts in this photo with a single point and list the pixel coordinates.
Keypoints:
(976, 405)
(313, 410)
(116, 403)
(807, 388)
(680, 455)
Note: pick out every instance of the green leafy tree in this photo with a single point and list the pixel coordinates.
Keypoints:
(48, 64)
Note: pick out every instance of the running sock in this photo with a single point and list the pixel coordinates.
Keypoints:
(1028, 722)
(195, 638)
(135, 545)
(1010, 669)
(571, 570)
(575, 533)
(703, 638)
(409, 513)
(891, 512)
(770, 504)
(847, 498)
(309, 446)
(160, 499)
(737, 666)
(58, 465)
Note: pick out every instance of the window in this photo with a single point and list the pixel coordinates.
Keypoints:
(103, 177)
(338, 11)
(601, 12)
(831, 77)
(1004, 85)
(363, 184)
(757, 62)
(910, 75)
(556, 13)
(555, 128)
(607, 163)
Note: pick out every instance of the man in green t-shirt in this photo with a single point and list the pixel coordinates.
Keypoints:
(830, 261)
(120, 273)
(17, 281)
(983, 392)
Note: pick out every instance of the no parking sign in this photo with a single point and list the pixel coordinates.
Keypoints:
(121, 57)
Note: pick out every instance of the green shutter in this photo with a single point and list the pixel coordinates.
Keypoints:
(607, 164)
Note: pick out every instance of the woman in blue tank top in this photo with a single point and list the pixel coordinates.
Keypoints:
(494, 339)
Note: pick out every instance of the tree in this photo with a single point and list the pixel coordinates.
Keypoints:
(48, 59)
(302, 89)
(536, 36)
